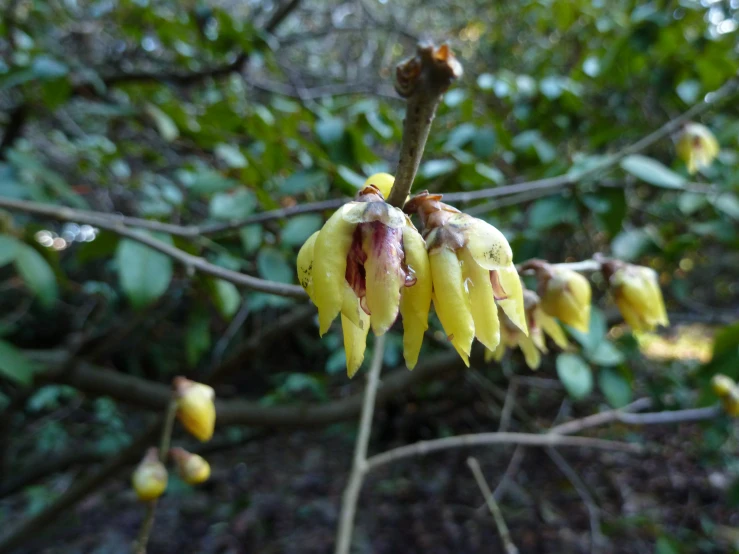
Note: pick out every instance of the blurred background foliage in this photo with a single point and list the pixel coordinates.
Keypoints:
(195, 113)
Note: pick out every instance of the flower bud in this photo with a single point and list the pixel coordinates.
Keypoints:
(722, 385)
(697, 146)
(368, 263)
(637, 294)
(149, 480)
(565, 294)
(193, 469)
(471, 265)
(195, 407)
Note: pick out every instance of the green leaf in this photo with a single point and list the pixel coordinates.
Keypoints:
(614, 387)
(629, 245)
(271, 264)
(37, 274)
(226, 297)
(605, 354)
(14, 365)
(165, 125)
(251, 237)
(144, 273)
(8, 247)
(350, 177)
(209, 181)
(435, 168)
(229, 206)
(596, 333)
(330, 130)
(303, 181)
(550, 212)
(197, 338)
(727, 203)
(299, 228)
(231, 155)
(575, 375)
(652, 171)
(46, 67)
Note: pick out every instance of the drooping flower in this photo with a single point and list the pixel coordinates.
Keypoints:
(637, 294)
(149, 479)
(193, 469)
(367, 263)
(540, 325)
(471, 267)
(697, 146)
(196, 409)
(565, 294)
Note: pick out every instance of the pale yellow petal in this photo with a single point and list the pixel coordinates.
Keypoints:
(451, 301)
(329, 267)
(415, 300)
(513, 303)
(530, 353)
(487, 245)
(482, 300)
(355, 342)
(305, 264)
(550, 326)
(383, 271)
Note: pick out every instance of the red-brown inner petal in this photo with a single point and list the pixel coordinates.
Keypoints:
(498, 290)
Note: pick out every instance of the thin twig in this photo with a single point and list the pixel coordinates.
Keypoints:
(485, 439)
(148, 523)
(190, 261)
(596, 537)
(423, 80)
(359, 466)
(505, 536)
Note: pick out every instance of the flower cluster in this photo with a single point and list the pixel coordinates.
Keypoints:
(195, 408)
(369, 263)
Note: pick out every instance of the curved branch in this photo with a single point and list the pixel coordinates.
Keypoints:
(191, 262)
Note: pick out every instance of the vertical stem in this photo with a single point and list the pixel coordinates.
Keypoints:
(505, 536)
(151, 507)
(359, 466)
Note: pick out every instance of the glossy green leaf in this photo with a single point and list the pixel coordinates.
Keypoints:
(227, 297)
(15, 365)
(165, 125)
(299, 228)
(230, 206)
(144, 274)
(614, 387)
(272, 265)
(575, 374)
(37, 274)
(8, 248)
(652, 171)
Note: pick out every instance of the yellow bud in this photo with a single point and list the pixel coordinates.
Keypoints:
(638, 297)
(196, 409)
(149, 480)
(566, 294)
(193, 469)
(697, 147)
(383, 181)
(731, 402)
(722, 385)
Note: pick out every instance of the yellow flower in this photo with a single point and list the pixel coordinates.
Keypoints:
(196, 409)
(367, 263)
(193, 469)
(149, 479)
(728, 391)
(565, 294)
(539, 325)
(471, 268)
(697, 146)
(637, 295)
